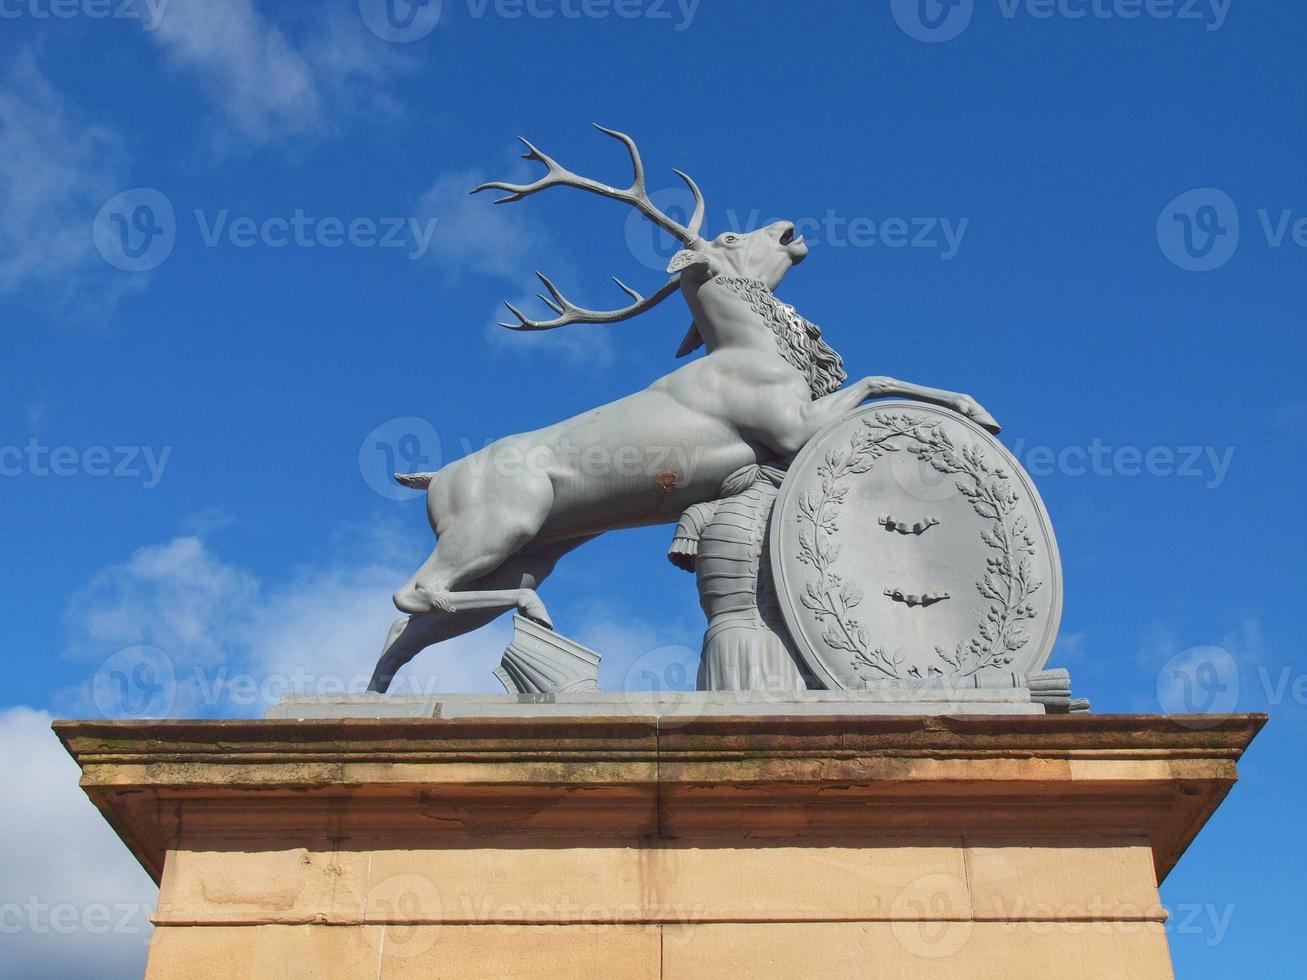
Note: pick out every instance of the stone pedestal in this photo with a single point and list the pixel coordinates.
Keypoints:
(717, 847)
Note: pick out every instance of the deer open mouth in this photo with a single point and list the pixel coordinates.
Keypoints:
(794, 245)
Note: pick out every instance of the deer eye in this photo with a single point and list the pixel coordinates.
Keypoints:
(731, 239)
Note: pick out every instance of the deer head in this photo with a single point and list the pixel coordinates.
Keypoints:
(765, 254)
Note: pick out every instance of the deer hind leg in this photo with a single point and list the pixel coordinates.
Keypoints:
(410, 635)
(479, 528)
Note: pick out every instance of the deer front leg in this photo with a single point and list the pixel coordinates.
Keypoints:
(811, 417)
(882, 387)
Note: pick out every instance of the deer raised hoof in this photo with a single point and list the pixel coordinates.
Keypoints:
(533, 609)
(420, 600)
(973, 410)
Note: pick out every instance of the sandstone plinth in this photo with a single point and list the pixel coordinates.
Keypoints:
(776, 846)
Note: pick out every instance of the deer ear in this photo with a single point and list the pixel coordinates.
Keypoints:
(692, 342)
(686, 258)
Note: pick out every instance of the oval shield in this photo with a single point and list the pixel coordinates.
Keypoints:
(908, 544)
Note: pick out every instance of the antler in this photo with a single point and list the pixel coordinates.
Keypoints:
(569, 312)
(636, 195)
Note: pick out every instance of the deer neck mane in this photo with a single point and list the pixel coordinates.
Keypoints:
(798, 340)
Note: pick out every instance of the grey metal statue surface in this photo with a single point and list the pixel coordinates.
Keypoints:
(909, 546)
(747, 646)
(767, 384)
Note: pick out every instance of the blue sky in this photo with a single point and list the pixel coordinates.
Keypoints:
(1091, 223)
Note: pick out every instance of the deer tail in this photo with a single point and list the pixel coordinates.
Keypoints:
(418, 481)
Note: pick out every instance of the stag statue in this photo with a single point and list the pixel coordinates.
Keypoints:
(767, 384)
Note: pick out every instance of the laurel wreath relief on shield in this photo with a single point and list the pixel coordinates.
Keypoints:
(1008, 581)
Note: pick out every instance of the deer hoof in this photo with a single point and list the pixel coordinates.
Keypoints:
(972, 409)
(533, 609)
(987, 422)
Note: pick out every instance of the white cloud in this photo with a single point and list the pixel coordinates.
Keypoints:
(637, 653)
(217, 619)
(1200, 675)
(1069, 649)
(37, 413)
(331, 624)
(268, 85)
(71, 894)
(249, 67)
(56, 170)
(225, 641)
(473, 234)
(177, 596)
(1244, 639)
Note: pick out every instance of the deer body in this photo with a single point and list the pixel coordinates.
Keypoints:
(644, 458)
(504, 515)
